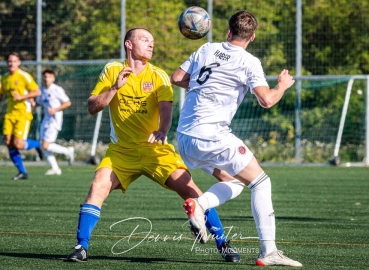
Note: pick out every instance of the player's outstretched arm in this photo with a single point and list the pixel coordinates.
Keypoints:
(98, 103)
(268, 97)
(180, 78)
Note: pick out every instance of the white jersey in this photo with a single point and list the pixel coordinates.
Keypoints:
(52, 97)
(221, 74)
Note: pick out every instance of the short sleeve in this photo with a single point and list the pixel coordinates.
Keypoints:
(255, 75)
(62, 96)
(164, 90)
(31, 85)
(107, 77)
(187, 65)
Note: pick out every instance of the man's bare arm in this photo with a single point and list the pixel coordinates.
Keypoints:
(180, 78)
(165, 111)
(268, 97)
(98, 103)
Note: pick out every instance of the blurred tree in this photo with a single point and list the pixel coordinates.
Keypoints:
(334, 32)
(17, 28)
(334, 35)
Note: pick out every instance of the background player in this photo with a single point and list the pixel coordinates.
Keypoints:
(217, 77)
(139, 96)
(19, 86)
(54, 100)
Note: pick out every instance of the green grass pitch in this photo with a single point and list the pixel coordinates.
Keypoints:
(322, 217)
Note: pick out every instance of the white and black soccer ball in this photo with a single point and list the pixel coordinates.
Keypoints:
(194, 22)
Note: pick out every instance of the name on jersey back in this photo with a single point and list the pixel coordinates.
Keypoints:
(222, 56)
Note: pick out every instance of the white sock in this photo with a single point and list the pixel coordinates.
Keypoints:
(219, 193)
(56, 148)
(51, 159)
(262, 210)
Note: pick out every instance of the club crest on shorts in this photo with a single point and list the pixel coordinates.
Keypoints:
(242, 150)
(147, 86)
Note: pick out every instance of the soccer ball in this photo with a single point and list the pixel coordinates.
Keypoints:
(194, 22)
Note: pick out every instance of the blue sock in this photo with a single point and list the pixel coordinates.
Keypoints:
(215, 227)
(88, 217)
(30, 144)
(16, 157)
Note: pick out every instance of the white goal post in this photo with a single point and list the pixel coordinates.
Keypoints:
(336, 160)
(94, 159)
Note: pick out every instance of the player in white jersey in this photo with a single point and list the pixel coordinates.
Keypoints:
(217, 77)
(54, 100)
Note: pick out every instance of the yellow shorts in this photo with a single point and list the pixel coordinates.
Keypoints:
(17, 126)
(155, 161)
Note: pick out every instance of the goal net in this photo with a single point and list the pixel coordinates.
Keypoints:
(269, 133)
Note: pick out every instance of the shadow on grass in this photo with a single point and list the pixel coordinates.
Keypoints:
(145, 260)
(302, 219)
(305, 219)
(250, 218)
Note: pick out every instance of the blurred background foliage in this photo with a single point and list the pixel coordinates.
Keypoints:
(334, 42)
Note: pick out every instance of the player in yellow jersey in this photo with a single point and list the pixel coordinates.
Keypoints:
(139, 96)
(19, 87)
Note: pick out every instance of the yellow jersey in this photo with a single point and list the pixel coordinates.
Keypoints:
(134, 110)
(22, 83)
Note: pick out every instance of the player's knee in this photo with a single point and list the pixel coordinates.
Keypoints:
(178, 179)
(182, 183)
(8, 142)
(98, 193)
(104, 182)
(222, 175)
(45, 145)
(19, 144)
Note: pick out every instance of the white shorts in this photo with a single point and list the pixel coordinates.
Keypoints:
(48, 133)
(229, 154)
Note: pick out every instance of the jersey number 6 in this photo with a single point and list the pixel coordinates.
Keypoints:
(205, 72)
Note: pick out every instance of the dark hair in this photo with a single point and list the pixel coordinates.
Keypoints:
(48, 71)
(12, 53)
(242, 25)
(129, 35)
